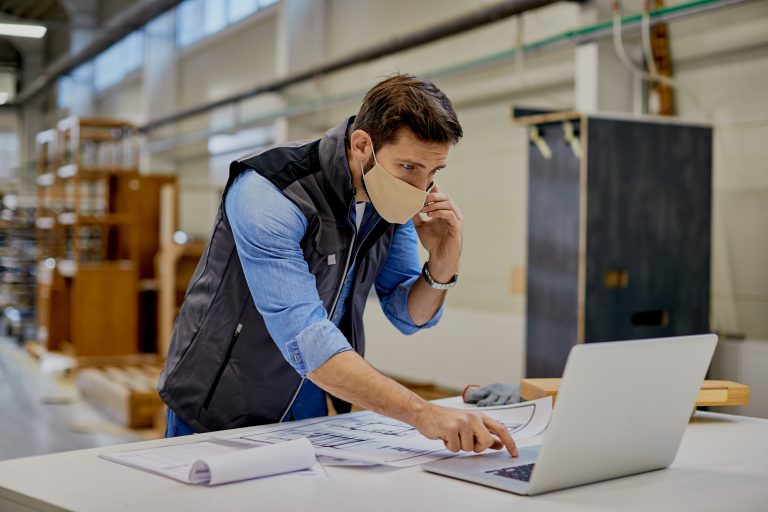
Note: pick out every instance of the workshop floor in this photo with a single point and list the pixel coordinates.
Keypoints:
(42, 412)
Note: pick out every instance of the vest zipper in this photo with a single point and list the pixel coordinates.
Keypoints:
(330, 311)
(227, 357)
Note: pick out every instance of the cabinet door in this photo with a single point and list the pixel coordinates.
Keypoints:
(105, 309)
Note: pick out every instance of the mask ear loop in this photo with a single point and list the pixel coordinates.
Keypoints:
(362, 168)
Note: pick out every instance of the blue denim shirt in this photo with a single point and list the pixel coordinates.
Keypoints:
(268, 229)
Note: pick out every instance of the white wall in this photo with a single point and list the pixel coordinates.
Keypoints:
(722, 57)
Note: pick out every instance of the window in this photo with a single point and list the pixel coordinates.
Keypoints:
(197, 19)
(65, 92)
(121, 59)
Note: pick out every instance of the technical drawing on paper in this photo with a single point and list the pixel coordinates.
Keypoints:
(388, 441)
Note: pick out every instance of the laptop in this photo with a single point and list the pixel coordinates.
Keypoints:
(622, 409)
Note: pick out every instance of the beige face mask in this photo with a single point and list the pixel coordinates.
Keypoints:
(395, 200)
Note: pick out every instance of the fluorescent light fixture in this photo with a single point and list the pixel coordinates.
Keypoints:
(19, 30)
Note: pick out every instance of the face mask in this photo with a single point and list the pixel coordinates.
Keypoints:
(395, 200)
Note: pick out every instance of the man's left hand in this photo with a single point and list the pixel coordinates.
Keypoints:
(441, 234)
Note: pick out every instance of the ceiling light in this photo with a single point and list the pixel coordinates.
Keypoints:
(19, 30)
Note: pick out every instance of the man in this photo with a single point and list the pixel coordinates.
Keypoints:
(272, 319)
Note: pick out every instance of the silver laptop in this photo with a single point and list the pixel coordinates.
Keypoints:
(622, 409)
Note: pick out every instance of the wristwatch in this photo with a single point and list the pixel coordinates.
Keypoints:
(434, 284)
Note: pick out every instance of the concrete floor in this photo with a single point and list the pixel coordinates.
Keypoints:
(42, 413)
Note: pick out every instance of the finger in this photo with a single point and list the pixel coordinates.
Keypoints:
(467, 437)
(501, 432)
(489, 400)
(452, 442)
(447, 215)
(483, 438)
(435, 197)
(444, 206)
(440, 205)
(504, 399)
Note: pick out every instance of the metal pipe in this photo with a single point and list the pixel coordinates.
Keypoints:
(444, 29)
(126, 21)
(583, 35)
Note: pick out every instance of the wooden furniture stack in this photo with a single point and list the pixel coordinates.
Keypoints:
(123, 389)
(97, 236)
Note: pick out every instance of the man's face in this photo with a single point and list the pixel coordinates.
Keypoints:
(411, 160)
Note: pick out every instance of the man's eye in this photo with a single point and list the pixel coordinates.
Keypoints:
(408, 167)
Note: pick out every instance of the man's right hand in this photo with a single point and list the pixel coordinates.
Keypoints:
(347, 376)
(463, 430)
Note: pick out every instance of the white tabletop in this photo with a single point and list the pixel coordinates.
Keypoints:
(722, 465)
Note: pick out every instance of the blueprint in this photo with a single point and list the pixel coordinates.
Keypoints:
(367, 437)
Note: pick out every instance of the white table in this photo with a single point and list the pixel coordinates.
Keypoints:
(722, 465)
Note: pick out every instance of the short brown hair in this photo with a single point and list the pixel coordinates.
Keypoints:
(408, 101)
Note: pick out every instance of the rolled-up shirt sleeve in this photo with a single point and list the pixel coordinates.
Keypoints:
(393, 284)
(268, 228)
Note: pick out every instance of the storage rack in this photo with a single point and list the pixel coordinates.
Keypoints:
(17, 268)
(88, 237)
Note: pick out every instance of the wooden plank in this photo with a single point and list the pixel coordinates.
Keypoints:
(713, 393)
(120, 396)
(123, 360)
(555, 117)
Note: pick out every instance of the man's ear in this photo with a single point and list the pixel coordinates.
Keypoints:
(360, 145)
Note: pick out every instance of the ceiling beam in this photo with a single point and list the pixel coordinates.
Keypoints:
(119, 26)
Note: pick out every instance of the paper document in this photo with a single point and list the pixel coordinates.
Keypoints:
(370, 438)
(220, 461)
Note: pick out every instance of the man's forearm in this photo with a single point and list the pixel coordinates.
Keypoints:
(346, 375)
(424, 301)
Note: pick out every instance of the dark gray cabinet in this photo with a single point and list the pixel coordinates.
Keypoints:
(619, 231)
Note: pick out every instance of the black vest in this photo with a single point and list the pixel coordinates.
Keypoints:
(223, 369)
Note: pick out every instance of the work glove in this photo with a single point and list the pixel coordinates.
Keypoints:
(492, 394)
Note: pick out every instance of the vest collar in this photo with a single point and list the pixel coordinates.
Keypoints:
(334, 163)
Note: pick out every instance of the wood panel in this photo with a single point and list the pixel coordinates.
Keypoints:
(648, 223)
(104, 302)
(553, 253)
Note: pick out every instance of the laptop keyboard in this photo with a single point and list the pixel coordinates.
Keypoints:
(522, 472)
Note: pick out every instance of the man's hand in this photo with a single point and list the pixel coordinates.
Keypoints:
(441, 234)
(463, 430)
(349, 377)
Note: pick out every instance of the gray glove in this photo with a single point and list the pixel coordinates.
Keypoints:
(492, 394)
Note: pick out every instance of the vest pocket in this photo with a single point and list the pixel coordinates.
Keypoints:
(223, 366)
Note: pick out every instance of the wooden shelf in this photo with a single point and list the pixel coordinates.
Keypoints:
(72, 219)
(93, 172)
